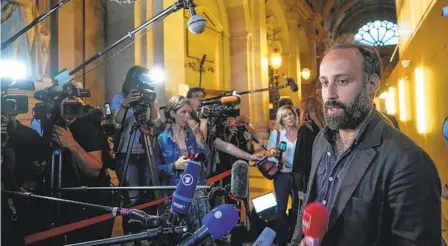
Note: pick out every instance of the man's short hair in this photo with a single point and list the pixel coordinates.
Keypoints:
(284, 101)
(194, 90)
(371, 58)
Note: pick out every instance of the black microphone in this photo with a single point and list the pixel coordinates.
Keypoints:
(145, 220)
(222, 100)
(292, 84)
(239, 179)
(196, 23)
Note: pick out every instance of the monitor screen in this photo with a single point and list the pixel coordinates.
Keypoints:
(264, 202)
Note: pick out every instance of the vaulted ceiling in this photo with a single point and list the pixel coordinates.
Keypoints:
(346, 16)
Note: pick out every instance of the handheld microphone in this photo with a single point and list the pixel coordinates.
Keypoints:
(146, 220)
(185, 189)
(239, 180)
(282, 148)
(266, 238)
(217, 223)
(196, 23)
(314, 223)
(221, 100)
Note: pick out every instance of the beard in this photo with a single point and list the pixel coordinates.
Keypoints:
(352, 114)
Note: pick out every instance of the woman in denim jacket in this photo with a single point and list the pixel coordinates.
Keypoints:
(181, 137)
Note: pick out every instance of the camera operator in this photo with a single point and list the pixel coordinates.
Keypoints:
(82, 166)
(196, 96)
(138, 173)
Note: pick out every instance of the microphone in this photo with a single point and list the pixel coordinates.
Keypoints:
(221, 100)
(146, 220)
(292, 84)
(314, 223)
(282, 148)
(266, 238)
(196, 23)
(239, 180)
(217, 223)
(185, 189)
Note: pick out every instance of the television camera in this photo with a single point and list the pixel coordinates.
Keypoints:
(145, 87)
(54, 108)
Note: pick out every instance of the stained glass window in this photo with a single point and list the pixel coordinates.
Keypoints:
(378, 33)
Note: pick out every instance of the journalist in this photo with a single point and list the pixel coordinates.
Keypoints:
(138, 172)
(196, 96)
(82, 166)
(182, 136)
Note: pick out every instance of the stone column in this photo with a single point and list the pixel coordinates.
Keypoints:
(259, 110)
(241, 54)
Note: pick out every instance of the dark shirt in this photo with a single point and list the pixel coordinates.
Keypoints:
(332, 167)
(304, 148)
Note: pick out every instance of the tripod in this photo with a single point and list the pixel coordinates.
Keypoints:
(149, 156)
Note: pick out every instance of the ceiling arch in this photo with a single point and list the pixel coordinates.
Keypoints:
(342, 16)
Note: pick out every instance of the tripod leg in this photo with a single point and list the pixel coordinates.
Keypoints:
(124, 168)
(153, 171)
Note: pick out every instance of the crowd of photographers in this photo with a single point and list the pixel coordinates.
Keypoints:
(91, 144)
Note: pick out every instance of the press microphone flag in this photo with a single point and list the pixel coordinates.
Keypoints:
(266, 238)
(239, 179)
(216, 224)
(185, 189)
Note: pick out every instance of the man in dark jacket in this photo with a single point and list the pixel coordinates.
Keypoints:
(379, 187)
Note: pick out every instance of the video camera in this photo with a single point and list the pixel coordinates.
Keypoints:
(53, 107)
(222, 107)
(144, 86)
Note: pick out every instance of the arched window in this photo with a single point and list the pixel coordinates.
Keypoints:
(378, 33)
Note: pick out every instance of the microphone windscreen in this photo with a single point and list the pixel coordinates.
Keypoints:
(266, 238)
(293, 86)
(239, 179)
(315, 220)
(221, 220)
(196, 24)
(185, 188)
(229, 99)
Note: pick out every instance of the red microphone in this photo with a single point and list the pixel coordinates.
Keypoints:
(314, 223)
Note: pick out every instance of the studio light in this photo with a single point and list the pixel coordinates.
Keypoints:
(12, 69)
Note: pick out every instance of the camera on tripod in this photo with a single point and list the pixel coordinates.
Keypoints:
(145, 87)
(54, 108)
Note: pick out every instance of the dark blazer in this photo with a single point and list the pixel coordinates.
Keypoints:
(389, 196)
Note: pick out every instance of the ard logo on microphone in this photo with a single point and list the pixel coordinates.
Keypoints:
(187, 179)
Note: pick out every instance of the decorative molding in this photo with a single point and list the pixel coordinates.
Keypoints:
(194, 65)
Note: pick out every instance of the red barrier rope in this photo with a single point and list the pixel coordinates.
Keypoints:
(36, 237)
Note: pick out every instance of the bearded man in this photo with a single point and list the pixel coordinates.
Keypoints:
(379, 187)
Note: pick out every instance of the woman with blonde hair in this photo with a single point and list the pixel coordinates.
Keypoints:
(288, 122)
(311, 121)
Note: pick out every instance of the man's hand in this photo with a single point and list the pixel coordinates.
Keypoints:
(63, 137)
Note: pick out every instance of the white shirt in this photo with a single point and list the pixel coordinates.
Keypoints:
(288, 155)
